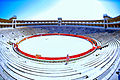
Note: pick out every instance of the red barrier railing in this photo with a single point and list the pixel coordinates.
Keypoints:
(58, 58)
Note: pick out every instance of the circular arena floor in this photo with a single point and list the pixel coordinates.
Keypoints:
(55, 46)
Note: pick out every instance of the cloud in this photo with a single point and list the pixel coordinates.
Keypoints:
(75, 9)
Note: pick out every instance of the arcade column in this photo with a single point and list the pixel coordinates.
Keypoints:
(13, 23)
(59, 21)
(106, 17)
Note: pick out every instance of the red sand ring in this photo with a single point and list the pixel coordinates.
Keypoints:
(92, 41)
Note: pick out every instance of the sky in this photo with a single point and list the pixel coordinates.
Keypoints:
(52, 9)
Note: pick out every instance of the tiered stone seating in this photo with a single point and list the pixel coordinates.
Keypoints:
(98, 65)
(42, 68)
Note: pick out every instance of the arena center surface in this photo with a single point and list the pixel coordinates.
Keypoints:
(55, 46)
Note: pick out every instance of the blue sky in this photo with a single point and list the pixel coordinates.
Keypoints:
(52, 9)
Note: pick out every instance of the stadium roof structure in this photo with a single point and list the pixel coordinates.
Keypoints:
(106, 22)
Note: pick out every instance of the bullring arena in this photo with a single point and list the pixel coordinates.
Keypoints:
(37, 49)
